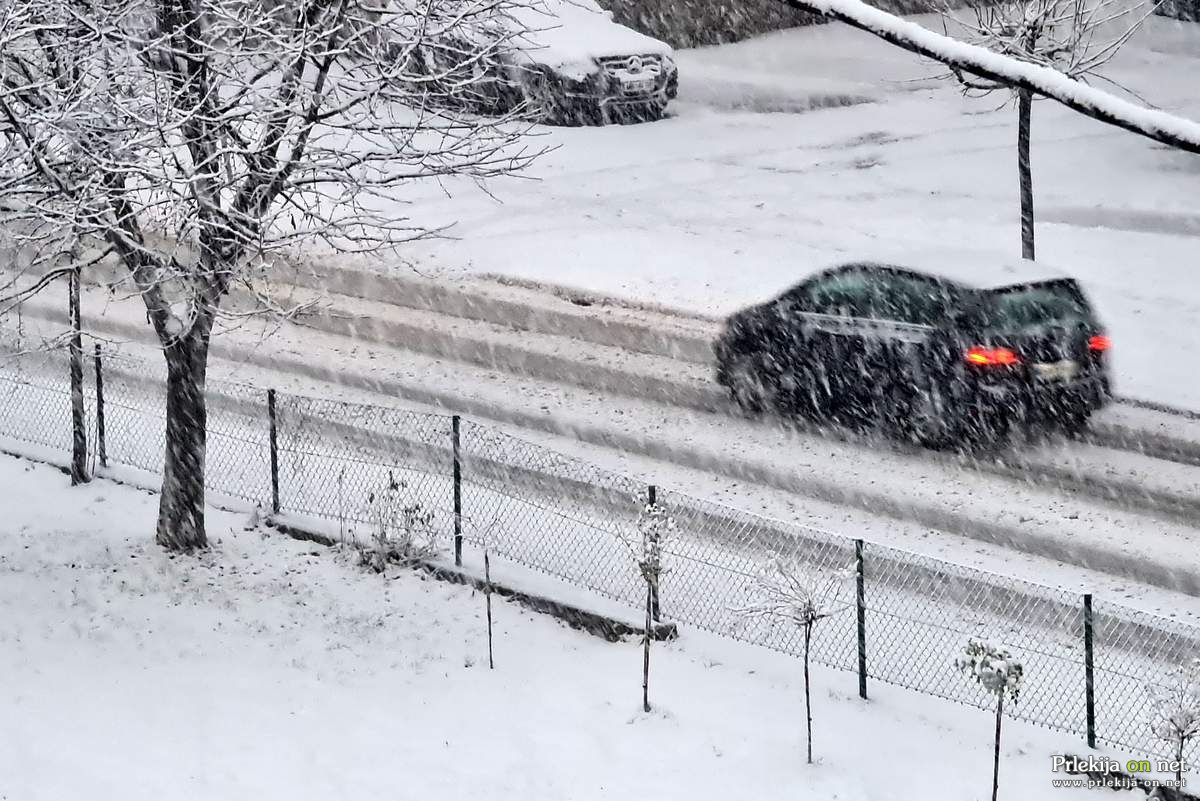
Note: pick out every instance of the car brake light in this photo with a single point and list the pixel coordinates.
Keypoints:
(1099, 343)
(992, 357)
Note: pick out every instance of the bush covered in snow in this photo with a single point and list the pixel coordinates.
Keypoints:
(992, 667)
(1175, 709)
(1000, 674)
(402, 530)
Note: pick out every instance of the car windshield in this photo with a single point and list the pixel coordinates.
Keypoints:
(1055, 303)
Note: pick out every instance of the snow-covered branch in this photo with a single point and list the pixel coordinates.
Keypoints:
(1160, 126)
(1175, 709)
(194, 137)
(797, 592)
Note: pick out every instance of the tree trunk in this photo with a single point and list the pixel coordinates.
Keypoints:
(807, 695)
(78, 432)
(996, 755)
(181, 506)
(487, 589)
(1025, 170)
(1179, 764)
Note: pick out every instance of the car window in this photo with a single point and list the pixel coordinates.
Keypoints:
(911, 299)
(846, 294)
(1058, 303)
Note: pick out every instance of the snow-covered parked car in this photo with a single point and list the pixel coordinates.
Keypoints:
(576, 65)
(563, 61)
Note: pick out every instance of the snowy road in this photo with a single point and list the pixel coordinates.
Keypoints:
(722, 206)
(1082, 504)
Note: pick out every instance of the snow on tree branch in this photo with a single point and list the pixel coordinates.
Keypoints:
(654, 531)
(201, 141)
(802, 594)
(1073, 37)
(1176, 706)
(194, 138)
(991, 667)
(1175, 709)
(1042, 80)
(797, 592)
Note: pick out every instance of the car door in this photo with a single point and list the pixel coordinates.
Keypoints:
(831, 309)
(908, 312)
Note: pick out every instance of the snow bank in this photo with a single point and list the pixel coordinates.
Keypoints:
(270, 668)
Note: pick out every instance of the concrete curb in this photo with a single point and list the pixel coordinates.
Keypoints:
(576, 617)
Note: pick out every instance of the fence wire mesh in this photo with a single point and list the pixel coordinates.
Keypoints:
(579, 523)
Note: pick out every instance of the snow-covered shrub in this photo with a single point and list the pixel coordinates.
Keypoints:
(992, 667)
(1000, 674)
(1175, 709)
(401, 530)
(801, 594)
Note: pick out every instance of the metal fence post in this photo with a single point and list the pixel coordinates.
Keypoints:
(274, 451)
(456, 446)
(861, 603)
(652, 499)
(101, 447)
(1089, 669)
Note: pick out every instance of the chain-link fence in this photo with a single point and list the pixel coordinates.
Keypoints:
(896, 617)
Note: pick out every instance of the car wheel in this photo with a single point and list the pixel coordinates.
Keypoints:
(542, 102)
(654, 111)
(930, 419)
(636, 113)
(1074, 422)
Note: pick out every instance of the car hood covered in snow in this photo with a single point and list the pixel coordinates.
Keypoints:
(559, 33)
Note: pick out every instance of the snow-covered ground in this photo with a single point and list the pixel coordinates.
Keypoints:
(722, 205)
(269, 668)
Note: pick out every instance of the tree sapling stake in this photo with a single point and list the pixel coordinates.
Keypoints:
(655, 529)
(801, 594)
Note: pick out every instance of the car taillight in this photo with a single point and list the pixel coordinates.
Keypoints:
(992, 357)
(1099, 343)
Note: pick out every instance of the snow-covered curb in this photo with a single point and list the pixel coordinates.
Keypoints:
(576, 607)
(608, 624)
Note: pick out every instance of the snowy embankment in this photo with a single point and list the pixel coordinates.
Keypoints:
(270, 668)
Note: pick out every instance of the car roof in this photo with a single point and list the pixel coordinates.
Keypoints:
(972, 274)
(561, 33)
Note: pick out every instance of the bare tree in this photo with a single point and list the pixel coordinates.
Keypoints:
(194, 142)
(1175, 710)
(996, 671)
(1074, 37)
(801, 594)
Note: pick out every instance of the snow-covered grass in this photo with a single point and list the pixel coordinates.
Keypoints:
(715, 209)
(270, 668)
